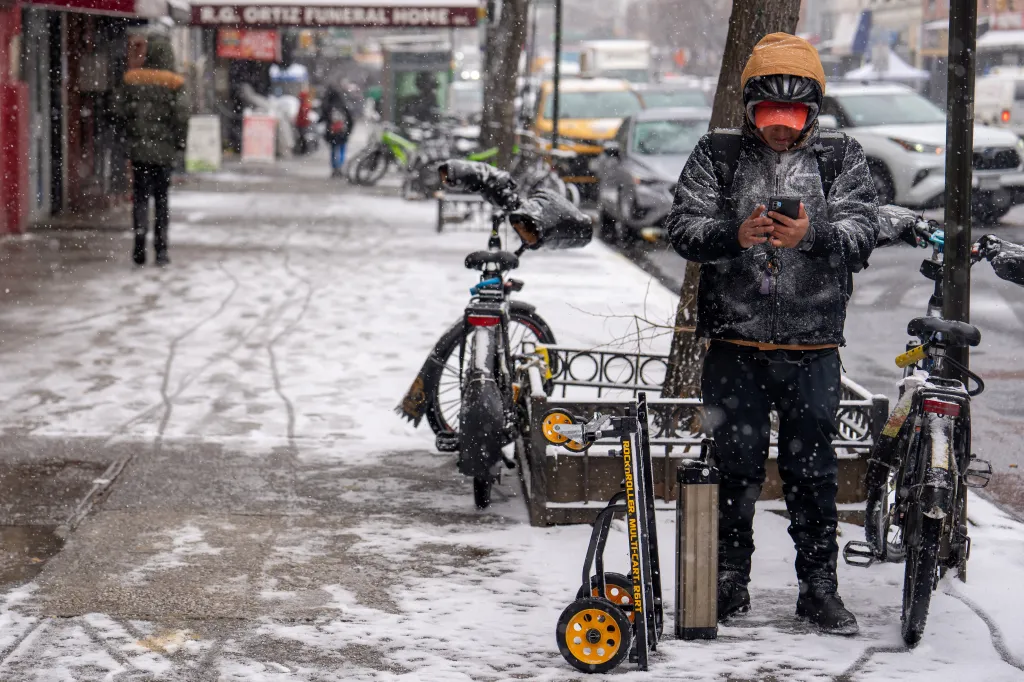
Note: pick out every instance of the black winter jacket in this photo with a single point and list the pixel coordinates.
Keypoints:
(806, 300)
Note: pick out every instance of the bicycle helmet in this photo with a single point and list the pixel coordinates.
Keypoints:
(783, 88)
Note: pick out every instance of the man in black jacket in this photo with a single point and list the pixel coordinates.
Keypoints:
(772, 300)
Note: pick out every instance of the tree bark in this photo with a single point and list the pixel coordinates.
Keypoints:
(750, 21)
(505, 40)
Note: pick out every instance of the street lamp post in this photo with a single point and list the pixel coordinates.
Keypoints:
(956, 284)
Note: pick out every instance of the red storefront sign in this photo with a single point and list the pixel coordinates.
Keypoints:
(399, 16)
(114, 7)
(240, 43)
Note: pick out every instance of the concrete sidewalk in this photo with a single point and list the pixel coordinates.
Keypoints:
(255, 511)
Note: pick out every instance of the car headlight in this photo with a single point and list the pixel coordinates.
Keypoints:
(919, 147)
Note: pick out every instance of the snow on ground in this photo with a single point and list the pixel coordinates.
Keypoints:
(270, 332)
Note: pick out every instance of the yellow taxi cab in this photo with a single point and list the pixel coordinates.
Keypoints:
(590, 112)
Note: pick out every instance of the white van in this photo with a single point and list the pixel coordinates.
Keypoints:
(999, 98)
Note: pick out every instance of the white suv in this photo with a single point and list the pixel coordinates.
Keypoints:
(904, 138)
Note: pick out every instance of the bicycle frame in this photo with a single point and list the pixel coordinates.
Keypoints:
(487, 383)
(401, 148)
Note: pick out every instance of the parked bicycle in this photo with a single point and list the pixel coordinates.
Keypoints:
(464, 389)
(921, 465)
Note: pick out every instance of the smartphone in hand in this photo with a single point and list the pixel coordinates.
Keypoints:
(787, 206)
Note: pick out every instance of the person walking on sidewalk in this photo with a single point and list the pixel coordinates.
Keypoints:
(153, 107)
(772, 300)
(338, 120)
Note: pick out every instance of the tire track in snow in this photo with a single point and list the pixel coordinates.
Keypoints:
(103, 484)
(995, 633)
(289, 328)
(26, 640)
(173, 349)
(856, 666)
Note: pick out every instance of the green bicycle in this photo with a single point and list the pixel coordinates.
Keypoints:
(417, 151)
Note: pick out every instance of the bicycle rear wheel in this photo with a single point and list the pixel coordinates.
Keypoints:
(443, 416)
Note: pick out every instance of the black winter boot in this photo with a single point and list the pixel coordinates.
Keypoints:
(819, 602)
(733, 597)
(139, 250)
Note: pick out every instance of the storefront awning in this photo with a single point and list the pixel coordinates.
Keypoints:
(328, 13)
(118, 8)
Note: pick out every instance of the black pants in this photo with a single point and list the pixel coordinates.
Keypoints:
(739, 387)
(150, 181)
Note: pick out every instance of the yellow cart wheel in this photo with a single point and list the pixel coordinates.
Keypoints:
(618, 589)
(593, 635)
(553, 418)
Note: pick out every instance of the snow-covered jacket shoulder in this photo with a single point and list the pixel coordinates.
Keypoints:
(804, 300)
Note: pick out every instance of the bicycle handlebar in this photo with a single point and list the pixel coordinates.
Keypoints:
(496, 186)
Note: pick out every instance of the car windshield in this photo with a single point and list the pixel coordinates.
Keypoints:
(890, 108)
(608, 104)
(655, 99)
(668, 137)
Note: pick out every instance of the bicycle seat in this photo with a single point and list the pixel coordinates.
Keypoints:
(503, 259)
(954, 333)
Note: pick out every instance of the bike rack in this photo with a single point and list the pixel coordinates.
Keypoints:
(562, 487)
(467, 212)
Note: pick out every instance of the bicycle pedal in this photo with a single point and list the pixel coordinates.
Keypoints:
(447, 442)
(978, 474)
(858, 553)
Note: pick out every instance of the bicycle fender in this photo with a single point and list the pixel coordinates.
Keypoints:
(523, 306)
(419, 398)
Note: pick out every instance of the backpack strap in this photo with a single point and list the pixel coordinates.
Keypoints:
(725, 155)
(831, 158)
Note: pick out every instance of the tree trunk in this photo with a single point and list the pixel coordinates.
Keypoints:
(501, 72)
(750, 21)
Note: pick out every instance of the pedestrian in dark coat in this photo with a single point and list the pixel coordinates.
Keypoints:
(772, 300)
(154, 110)
(338, 121)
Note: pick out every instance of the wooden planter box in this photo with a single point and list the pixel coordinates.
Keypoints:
(565, 487)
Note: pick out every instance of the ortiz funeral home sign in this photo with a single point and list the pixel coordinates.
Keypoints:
(397, 15)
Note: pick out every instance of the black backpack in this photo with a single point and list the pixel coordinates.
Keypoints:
(726, 144)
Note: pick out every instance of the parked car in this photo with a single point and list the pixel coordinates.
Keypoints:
(904, 137)
(663, 95)
(590, 112)
(641, 166)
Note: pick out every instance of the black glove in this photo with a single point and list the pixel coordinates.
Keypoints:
(549, 219)
(496, 186)
(989, 246)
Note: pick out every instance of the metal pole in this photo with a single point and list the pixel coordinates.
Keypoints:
(956, 288)
(556, 83)
(956, 283)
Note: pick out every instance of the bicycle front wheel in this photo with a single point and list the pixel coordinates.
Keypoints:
(372, 167)
(880, 530)
(919, 575)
